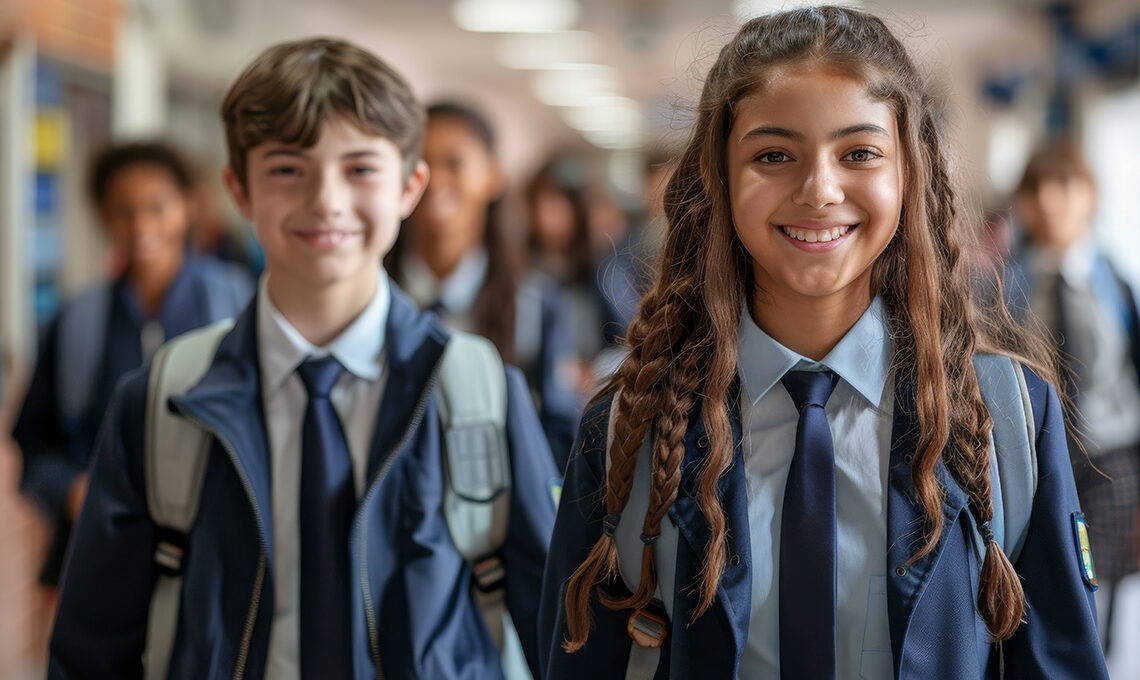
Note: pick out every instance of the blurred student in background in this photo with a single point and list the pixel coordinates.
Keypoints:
(1062, 275)
(559, 242)
(142, 192)
(455, 257)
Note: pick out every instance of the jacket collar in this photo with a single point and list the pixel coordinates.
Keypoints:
(708, 644)
(228, 399)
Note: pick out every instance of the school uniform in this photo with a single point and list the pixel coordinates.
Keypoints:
(893, 618)
(412, 613)
(98, 337)
(1078, 296)
(544, 344)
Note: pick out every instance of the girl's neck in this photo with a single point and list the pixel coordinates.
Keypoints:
(811, 327)
(320, 314)
(442, 256)
(153, 281)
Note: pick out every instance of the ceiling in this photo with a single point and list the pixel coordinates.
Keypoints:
(659, 49)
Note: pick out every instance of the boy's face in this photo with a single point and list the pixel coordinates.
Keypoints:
(1059, 211)
(326, 215)
(146, 214)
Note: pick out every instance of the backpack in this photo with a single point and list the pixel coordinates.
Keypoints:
(83, 332)
(1013, 477)
(471, 395)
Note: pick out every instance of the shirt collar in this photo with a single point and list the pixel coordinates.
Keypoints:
(862, 358)
(456, 291)
(359, 348)
(1075, 264)
(176, 300)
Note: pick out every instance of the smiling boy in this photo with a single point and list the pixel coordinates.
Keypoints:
(320, 546)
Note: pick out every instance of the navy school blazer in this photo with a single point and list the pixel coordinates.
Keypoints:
(935, 631)
(413, 614)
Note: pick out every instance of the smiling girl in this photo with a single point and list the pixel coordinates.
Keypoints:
(821, 458)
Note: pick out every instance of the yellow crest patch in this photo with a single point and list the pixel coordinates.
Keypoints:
(1084, 549)
(554, 484)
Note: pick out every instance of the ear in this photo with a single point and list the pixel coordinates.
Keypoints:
(496, 183)
(238, 191)
(413, 188)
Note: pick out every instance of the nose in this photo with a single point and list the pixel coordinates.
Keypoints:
(329, 194)
(819, 186)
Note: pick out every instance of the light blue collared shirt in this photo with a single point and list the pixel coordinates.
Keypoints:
(860, 413)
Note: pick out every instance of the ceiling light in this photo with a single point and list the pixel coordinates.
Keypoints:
(515, 16)
(574, 84)
(547, 50)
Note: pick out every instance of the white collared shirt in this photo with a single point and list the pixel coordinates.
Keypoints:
(356, 398)
(1097, 342)
(859, 412)
(456, 291)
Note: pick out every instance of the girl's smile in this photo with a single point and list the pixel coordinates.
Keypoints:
(817, 238)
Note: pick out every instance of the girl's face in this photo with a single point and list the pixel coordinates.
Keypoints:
(815, 177)
(553, 221)
(464, 180)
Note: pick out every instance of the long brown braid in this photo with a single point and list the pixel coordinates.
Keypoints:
(683, 343)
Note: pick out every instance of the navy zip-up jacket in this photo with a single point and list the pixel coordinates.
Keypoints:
(413, 614)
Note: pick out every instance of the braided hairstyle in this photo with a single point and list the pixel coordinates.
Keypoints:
(683, 342)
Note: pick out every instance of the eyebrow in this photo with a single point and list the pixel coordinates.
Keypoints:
(297, 153)
(773, 131)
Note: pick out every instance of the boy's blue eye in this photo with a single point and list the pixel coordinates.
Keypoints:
(285, 170)
(363, 170)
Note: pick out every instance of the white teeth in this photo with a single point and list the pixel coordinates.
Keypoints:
(816, 235)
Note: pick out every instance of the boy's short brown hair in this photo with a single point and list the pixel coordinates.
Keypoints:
(292, 88)
(1056, 159)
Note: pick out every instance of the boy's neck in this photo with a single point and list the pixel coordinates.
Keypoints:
(153, 281)
(811, 327)
(320, 314)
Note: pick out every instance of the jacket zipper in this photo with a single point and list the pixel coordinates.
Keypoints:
(262, 560)
(369, 606)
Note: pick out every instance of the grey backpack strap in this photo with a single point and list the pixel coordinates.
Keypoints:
(175, 456)
(1013, 454)
(79, 350)
(472, 402)
(648, 627)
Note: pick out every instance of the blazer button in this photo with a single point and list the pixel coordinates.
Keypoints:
(908, 458)
(703, 441)
(736, 560)
(900, 571)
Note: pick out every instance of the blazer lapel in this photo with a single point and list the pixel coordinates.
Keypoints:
(711, 645)
(906, 522)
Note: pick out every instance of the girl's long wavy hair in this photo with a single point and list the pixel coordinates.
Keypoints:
(683, 342)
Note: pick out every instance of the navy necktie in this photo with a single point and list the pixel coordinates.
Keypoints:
(327, 504)
(807, 536)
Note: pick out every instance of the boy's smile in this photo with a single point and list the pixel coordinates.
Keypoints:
(327, 214)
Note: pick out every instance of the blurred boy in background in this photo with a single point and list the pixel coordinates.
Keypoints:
(1062, 275)
(142, 194)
